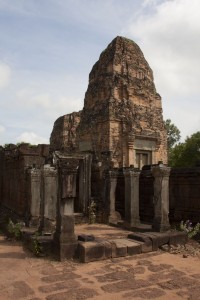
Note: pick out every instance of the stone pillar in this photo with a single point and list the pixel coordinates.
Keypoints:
(84, 184)
(161, 197)
(111, 183)
(64, 237)
(132, 217)
(49, 197)
(130, 150)
(34, 197)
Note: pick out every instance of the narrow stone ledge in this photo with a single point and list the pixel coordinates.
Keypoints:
(133, 247)
(86, 238)
(178, 238)
(158, 239)
(143, 239)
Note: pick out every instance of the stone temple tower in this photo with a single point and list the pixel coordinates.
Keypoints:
(122, 115)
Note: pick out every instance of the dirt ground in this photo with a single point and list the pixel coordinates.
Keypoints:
(156, 275)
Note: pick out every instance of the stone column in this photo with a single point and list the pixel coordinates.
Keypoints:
(34, 196)
(111, 183)
(130, 150)
(64, 236)
(84, 184)
(49, 198)
(132, 217)
(161, 197)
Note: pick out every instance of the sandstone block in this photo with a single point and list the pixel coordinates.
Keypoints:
(86, 238)
(178, 237)
(118, 248)
(158, 239)
(144, 240)
(91, 251)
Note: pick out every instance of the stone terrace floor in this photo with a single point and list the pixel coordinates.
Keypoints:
(154, 275)
(102, 231)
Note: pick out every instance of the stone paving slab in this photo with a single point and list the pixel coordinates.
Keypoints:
(154, 275)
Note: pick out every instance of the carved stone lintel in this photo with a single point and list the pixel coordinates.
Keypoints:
(129, 172)
(112, 174)
(68, 165)
(161, 171)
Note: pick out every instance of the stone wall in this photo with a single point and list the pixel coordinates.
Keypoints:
(14, 163)
(184, 195)
(63, 136)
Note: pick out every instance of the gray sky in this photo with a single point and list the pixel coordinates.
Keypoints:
(48, 48)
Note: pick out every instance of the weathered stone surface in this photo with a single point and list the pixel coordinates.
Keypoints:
(158, 239)
(122, 111)
(86, 238)
(90, 251)
(178, 238)
(184, 191)
(146, 247)
(107, 249)
(142, 237)
(118, 248)
(16, 192)
(132, 246)
(183, 182)
(161, 197)
(63, 136)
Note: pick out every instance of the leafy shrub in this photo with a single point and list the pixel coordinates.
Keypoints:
(92, 212)
(36, 245)
(189, 228)
(14, 229)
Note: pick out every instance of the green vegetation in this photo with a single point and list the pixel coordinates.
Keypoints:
(36, 245)
(92, 212)
(173, 134)
(14, 229)
(17, 144)
(189, 228)
(186, 154)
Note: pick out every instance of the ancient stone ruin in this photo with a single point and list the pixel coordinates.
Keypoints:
(121, 126)
(110, 157)
(122, 114)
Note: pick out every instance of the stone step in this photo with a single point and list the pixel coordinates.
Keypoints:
(135, 243)
(91, 248)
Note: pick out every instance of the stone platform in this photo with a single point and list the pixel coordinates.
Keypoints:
(99, 242)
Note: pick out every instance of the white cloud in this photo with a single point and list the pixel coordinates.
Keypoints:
(5, 73)
(2, 129)
(169, 36)
(170, 39)
(53, 54)
(53, 103)
(32, 138)
(2, 133)
(149, 2)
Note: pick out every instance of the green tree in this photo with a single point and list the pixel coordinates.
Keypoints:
(175, 154)
(186, 154)
(173, 133)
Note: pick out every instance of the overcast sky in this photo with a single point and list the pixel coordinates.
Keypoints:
(48, 47)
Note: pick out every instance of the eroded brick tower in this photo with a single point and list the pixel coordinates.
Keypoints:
(122, 112)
